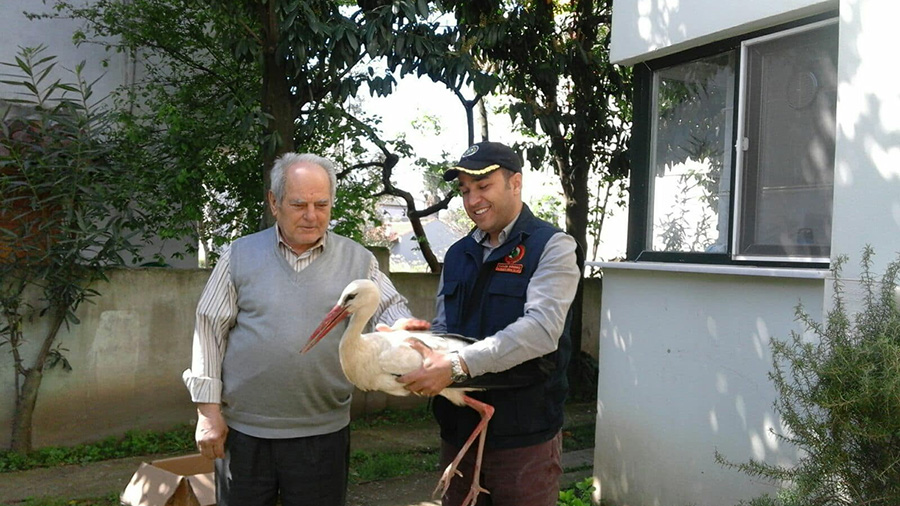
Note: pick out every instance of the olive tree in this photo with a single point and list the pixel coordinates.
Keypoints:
(67, 217)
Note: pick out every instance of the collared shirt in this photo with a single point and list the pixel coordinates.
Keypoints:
(217, 313)
(550, 293)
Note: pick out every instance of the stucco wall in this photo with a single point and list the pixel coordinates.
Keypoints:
(684, 359)
(647, 29)
(132, 345)
(867, 148)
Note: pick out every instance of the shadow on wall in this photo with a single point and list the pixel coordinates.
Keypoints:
(683, 372)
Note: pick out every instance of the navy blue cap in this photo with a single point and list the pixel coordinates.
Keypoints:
(484, 157)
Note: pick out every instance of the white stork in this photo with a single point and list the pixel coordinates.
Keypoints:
(373, 361)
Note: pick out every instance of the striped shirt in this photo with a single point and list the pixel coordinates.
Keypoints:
(217, 313)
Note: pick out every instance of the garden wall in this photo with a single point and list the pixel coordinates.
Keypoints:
(132, 344)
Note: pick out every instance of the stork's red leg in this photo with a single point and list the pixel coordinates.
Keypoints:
(486, 411)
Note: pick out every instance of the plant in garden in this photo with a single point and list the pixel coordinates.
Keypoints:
(67, 217)
(839, 398)
(579, 494)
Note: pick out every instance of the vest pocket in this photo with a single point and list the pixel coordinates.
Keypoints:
(453, 303)
(506, 296)
(512, 285)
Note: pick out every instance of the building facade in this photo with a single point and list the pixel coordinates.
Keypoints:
(766, 143)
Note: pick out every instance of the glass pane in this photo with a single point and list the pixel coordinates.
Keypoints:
(788, 162)
(690, 191)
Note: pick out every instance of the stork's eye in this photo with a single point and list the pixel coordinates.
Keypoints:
(350, 297)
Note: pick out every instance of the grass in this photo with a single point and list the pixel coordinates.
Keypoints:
(365, 466)
(390, 417)
(578, 437)
(111, 499)
(132, 444)
(178, 440)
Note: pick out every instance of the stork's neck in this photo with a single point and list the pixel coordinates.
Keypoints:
(353, 349)
(358, 321)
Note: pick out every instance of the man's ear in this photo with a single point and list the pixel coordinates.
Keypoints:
(273, 204)
(516, 181)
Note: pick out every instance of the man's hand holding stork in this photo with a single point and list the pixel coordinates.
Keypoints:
(435, 373)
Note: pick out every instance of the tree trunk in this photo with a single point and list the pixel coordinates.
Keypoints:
(26, 399)
(483, 119)
(415, 218)
(575, 181)
(276, 100)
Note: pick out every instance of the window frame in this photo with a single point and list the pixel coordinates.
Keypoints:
(641, 151)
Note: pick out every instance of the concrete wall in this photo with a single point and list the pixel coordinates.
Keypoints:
(684, 348)
(647, 29)
(107, 71)
(683, 372)
(867, 148)
(132, 345)
(16, 31)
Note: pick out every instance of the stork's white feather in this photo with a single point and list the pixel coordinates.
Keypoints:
(373, 361)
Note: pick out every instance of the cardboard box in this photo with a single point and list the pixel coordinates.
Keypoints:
(178, 481)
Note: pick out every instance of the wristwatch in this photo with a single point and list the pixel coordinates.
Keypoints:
(457, 374)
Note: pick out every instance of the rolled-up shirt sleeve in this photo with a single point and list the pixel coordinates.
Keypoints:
(550, 293)
(216, 315)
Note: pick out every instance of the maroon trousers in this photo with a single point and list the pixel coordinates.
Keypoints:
(515, 477)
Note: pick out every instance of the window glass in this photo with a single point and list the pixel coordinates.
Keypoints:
(692, 115)
(787, 162)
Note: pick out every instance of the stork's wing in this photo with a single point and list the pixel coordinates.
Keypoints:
(397, 356)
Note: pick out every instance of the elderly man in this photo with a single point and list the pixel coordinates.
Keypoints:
(510, 284)
(275, 420)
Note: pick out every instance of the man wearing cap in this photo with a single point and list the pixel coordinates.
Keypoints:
(509, 284)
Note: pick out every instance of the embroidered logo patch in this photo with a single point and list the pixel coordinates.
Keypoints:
(470, 151)
(511, 263)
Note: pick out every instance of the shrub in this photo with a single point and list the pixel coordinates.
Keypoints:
(579, 494)
(839, 398)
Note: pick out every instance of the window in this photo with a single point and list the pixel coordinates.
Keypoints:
(734, 150)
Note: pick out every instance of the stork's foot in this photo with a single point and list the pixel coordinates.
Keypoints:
(444, 482)
(452, 472)
(476, 489)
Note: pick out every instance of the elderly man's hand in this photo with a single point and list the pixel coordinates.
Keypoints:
(405, 324)
(211, 431)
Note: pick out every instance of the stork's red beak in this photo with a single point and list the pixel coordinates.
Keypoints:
(335, 316)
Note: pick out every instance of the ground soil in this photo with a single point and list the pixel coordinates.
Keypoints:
(102, 478)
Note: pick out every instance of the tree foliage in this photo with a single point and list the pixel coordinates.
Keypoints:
(68, 215)
(552, 59)
(839, 398)
(230, 86)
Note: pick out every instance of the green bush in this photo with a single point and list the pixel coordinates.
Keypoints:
(839, 397)
(578, 494)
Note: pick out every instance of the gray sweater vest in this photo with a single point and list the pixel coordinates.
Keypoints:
(270, 390)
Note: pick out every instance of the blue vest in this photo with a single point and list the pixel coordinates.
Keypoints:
(480, 299)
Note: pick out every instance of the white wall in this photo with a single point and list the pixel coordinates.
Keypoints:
(684, 359)
(684, 356)
(16, 30)
(106, 70)
(646, 29)
(867, 155)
